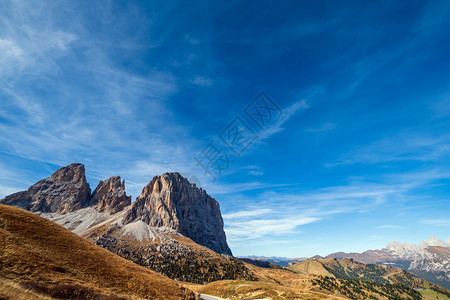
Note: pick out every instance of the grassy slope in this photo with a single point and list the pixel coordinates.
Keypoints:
(356, 279)
(432, 295)
(11, 290)
(310, 267)
(272, 283)
(35, 249)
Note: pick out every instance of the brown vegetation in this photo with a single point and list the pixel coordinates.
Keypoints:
(38, 256)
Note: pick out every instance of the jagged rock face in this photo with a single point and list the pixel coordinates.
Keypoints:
(168, 203)
(110, 195)
(171, 201)
(65, 191)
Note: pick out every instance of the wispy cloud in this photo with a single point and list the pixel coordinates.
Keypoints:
(238, 230)
(246, 213)
(287, 114)
(202, 81)
(255, 173)
(324, 127)
(437, 222)
(389, 227)
(406, 146)
(276, 208)
(58, 119)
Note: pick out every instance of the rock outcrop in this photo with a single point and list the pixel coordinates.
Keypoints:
(171, 201)
(110, 195)
(65, 191)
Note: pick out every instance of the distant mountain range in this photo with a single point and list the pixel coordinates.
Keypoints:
(278, 260)
(430, 259)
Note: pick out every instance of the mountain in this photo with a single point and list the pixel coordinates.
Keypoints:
(173, 227)
(430, 259)
(166, 202)
(40, 259)
(110, 195)
(65, 191)
(171, 201)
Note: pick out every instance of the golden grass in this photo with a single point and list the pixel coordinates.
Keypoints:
(310, 267)
(432, 295)
(276, 284)
(12, 290)
(35, 249)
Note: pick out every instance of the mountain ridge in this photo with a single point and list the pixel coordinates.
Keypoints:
(167, 203)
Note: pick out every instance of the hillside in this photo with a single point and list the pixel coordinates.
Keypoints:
(310, 267)
(276, 283)
(430, 259)
(42, 256)
(354, 279)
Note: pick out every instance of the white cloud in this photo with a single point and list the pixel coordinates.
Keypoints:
(255, 173)
(437, 222)
(89, 121)
(405, 146)
(10, 50)
(262, 219)
(202, 81)
(246, 213)
(389, 227)
(286, 115)
(324, 127)
(11, 59)
(253, 229)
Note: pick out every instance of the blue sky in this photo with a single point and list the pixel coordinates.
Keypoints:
(358, 156)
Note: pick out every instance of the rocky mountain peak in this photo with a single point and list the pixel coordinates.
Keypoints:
(71, 173)
(65, 191)
(110, 195)
(171, 201)
(406, 248)
(433, 241)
